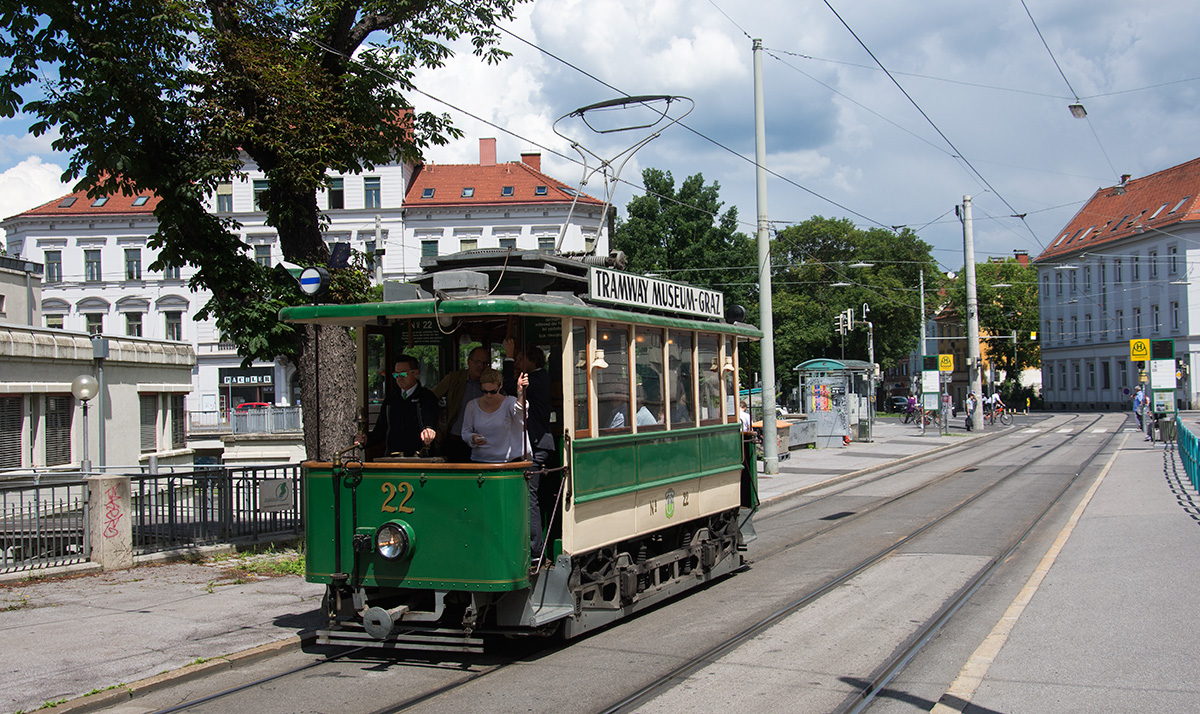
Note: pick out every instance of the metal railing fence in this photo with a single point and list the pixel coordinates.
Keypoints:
(209, 505)
(43, 522)
(44, 517)
(1189, 451)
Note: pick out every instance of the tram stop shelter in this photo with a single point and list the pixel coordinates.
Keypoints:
(836, 394)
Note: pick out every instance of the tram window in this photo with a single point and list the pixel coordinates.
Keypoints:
(730, 378)
(709, 358)
(579, 342)
(651, 386)
(612, 378)
(681, 390)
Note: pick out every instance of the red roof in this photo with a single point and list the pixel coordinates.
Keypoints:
(513, 183)
(78, 204)
(1167, 198)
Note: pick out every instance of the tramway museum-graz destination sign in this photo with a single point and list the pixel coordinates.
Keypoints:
(631, 290)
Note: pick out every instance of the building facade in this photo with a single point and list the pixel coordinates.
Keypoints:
(1121, 269)
(96, 252)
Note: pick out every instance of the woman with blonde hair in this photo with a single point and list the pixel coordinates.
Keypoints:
(494, 424)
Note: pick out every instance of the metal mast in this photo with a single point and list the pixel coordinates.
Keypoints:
(770, 440)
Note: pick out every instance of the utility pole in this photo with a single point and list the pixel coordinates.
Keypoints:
(766, 320)
(974, 372)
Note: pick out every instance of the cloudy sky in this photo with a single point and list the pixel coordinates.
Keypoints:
(988, 115)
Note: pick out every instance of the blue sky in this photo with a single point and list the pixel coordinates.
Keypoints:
(839, 129)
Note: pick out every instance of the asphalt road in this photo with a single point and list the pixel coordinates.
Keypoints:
(813, 660)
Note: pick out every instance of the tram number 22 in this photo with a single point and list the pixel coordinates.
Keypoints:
(404, 490)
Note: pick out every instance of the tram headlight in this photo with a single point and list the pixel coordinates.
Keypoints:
(395, 540)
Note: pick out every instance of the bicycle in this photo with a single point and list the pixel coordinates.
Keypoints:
(999, 412)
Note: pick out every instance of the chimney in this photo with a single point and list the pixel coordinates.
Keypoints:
(1022, 257)
(532, 159)
(487, 152)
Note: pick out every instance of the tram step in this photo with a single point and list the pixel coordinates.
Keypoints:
(430, 640)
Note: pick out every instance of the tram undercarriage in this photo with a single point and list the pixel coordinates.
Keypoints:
(572, 596)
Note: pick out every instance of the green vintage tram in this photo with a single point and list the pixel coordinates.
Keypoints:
(651, 491)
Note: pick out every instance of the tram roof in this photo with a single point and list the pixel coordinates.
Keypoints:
(547, 305)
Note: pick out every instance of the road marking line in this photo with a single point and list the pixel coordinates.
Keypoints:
(958, 696)
(1065, 430)
(1100, 430)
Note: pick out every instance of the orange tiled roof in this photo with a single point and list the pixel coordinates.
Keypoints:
(511, 183)
(78, 204)
(1166, 198)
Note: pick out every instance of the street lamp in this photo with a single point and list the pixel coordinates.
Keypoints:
(85, 387)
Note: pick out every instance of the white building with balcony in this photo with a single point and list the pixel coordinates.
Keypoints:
(96, 252)
(1123, 268)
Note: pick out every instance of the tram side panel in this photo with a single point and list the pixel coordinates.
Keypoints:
(629, 486)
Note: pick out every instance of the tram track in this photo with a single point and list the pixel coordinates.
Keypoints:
(888, 670)
(888, 473)
(668, 680)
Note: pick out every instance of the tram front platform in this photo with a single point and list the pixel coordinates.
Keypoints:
(1110, 628)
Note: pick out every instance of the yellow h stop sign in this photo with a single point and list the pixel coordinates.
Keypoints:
(946, 363)
(1139, 350)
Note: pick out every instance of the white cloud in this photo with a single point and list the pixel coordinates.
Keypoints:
(29, 184)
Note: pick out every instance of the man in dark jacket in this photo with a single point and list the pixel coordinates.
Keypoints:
(537, 424)
(408, 414)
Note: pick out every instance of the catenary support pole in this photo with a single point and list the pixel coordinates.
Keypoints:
(974, 368)
(770, 442)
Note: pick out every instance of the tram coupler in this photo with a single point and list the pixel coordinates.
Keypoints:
(379, 622)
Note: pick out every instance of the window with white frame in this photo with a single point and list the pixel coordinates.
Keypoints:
(1155, 325)
(1172, 259)
(148, 422)
(1135, 268)
(10, 431)
(92, 270)
(173, 324)
(133, 324)
(1091, 375)
(372, 192)
(1152, 264)
(94, 322)
(133, 263)
(58, 429)
(336, 194)
(225, 197)
(262, 255)
(53, 270)
(1137, 321)
(260, 188)
(1175, 317)
(178, 422)
(1087, 279)
(1117, 270)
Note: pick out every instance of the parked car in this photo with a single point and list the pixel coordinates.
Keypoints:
(253, 405)
(898, 404)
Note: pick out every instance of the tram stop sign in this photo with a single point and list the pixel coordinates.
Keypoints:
(1139, 350)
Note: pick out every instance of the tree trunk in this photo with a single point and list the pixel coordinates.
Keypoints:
(327, 359)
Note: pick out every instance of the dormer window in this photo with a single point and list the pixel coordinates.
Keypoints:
(1179, 205)
(506, 191)
(141, 200)
(427, 193)
(1160, 210)
(468, 192)
(67, 202)
(539, 191)
(100, 202)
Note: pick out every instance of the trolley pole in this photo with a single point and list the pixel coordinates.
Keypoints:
(770, 440)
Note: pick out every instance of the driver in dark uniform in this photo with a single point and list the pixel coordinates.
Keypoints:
(408, 414)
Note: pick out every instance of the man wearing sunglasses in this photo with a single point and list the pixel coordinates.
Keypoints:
(408, 414)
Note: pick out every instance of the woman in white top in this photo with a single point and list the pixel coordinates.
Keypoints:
(494, 424)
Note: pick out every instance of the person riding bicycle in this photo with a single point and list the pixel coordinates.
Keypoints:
(992, 402)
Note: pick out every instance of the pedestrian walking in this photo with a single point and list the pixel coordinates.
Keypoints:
(1139, 405)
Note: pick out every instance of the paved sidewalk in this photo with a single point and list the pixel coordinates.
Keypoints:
(64, 637)
(1112, 626)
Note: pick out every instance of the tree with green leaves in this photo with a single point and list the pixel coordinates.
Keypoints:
(171, 97)
(681, 234)
(824, 266)
(1007, 295)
